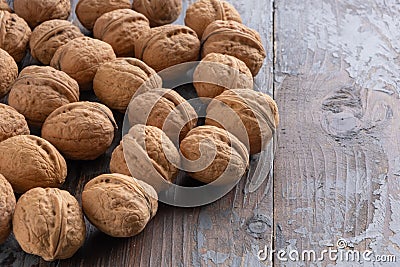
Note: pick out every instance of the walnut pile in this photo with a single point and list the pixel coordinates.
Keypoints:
(81, 130)
(8, 72)
(49, 223)
(12, 123)
(159, 12)
(7, 206)
(119, 205)
(4, 6)
(29, 161)
(39, 91)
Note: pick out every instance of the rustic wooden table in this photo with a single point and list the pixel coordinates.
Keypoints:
(334, 70)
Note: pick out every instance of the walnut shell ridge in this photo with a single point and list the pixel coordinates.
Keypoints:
(39, 91)
(4, 6)
(29, 161)
(49, 223)
(81, 130)
(7, 206)
(159, 12)
(119, 205)
(12, 123)
(8, 72)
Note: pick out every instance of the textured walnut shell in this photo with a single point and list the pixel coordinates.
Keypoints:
(119, 205)
(227, 148)
(14, 35)
(39, 91)
(49, 223)
(202, 13)
(164, 109)
(118, 163)
(258, 113)
(168, 45)
(117, 81)
(12, 123)
(7, 206)
(88, 11)
(29, 161)
(8, 72)
(159, 12)
(121, 29)
(4, 6)
(80, 59)
(81, 130)
(217, 73)
(35, 12)
(49, 36)
(235, 39)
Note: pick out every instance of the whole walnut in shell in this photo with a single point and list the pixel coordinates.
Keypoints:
(51, 35)
(217, 73)
(29, 161)
(4, 6)
(12, 123)
(117, 81)
(119, 205)
(88, 11)
(80, 59)
(212, 153)
(7, 206)
(37, 11)
(49, 223)
(118, 162)
(258, 113)
(39, 91)
(81, 130)
(235, 39)
(8, 72)
(159, 12)
(202, 13)
(14, 35)
(168, 45)
(121, 29)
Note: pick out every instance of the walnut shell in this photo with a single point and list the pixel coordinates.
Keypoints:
(7, 206)
(49, 223)
(231, 156)
(168, 45)
(39, 91)
(159, 12)
(29, 161)
(121, 29)
(217, 73)
(258, 113)
(118, 163)
(81, 130)
(4, 6)
(12, 123)
(88, 11)
(235, 39)
(81, 57)
(14, 35)
(35, 12)
(8, 72)
(117, 81)
(202, 13)
(49, 36)
(119, 205)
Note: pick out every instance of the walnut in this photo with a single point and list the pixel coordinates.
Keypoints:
(12, 123)
(235, 39)
(7, 206)
(258, 113)
(119, 205)
(49, 36)
(4, 6)
(117, 81)
(217, 73)
(80, 59)
(29, 161)
(39, 91)
(118, 163)
(81, 130)
(38, 11)
(88, 11)
(14, 35)
(8, 72)
(49, 223)
(159, 12)
(202, 13)
(121, 28)
(168, 45)
(213, 153)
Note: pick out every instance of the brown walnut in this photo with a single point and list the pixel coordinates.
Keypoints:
(159, 12)
(118, 162)
(8, 72)
(7, 206)
(4, 6)
(12, 123)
